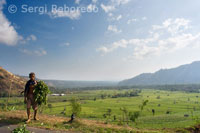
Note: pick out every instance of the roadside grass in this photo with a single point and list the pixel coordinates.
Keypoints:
(61, 124)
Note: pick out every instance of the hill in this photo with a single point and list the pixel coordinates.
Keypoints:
(184, 74)
(6, 78)
(62, 84)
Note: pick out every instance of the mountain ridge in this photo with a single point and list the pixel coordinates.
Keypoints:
(183, 74)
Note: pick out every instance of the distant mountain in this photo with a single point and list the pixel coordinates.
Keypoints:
(7, 80)
(62, 84)
(184, 74)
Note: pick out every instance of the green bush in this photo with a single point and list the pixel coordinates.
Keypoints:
(76, 107)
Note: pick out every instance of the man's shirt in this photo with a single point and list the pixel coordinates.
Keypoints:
(27, 86)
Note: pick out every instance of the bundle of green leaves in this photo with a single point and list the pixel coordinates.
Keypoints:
(40, 92)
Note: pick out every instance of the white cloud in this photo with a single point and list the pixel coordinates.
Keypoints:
(122, 43)
(103, 49)
(77, 1)
(119, 17)
(94, 1)
(132, 20)
(73, 14)
(110, 14)
(113, 28)
(120, 2)
(135, 20)
(65, 44)
(2, 2)
(168, 37)
(91, 7)
(39, 52)
(144, 18)
(107, 8)
(173, 26)
(113, 4)
(8, 34)
(111, 17)
(31, 37)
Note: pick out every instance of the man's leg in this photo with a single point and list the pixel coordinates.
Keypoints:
(28, 110)
(28, 114)
(35, 114)
(35, 107)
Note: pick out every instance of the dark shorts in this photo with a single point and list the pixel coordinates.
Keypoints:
(31, 102)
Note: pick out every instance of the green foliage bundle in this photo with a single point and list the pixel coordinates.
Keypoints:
(40, 92)
(21, 129)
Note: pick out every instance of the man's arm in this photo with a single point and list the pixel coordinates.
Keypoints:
(26, 91)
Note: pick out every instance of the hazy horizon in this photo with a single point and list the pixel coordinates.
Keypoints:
(104, 80)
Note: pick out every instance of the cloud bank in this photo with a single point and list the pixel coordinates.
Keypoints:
(167, 37)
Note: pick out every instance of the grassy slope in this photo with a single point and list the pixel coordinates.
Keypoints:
(60, 123)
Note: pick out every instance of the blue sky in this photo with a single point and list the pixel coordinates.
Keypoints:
(112, 40)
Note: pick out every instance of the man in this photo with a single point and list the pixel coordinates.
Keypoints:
(29, 96)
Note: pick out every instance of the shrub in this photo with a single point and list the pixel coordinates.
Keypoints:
(95, 99)
(76, 107)
(158, 97)
(134, 115)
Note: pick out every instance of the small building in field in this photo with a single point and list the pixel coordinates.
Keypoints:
(58, 94)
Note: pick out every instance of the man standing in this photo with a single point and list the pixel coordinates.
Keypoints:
(29, 96)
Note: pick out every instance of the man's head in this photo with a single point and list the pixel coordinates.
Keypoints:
(32, 76)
